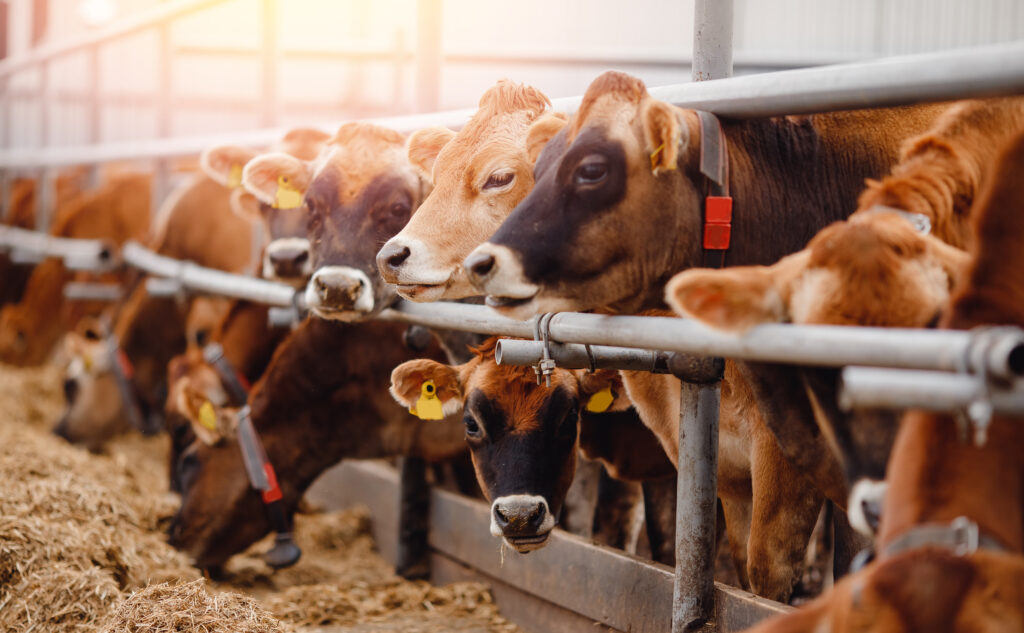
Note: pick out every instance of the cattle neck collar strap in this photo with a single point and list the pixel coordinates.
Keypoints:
(234, 381)
(919, 221)
(714, 164)
(961, 536)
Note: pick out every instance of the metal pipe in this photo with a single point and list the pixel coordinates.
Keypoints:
(874, 388)
(982, 71)
(712, 39)
(574, 356)
(87, 291)
(813, 345)
(196, 278)
(36, 245)
(693, 597)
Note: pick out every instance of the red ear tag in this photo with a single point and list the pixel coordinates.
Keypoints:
(717, 222)
(274, 493)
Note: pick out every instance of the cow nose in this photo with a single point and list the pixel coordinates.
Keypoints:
(520, 517)
(338, 290)
(70, 389)
(872, 509)
(479, 265)
(392, 256)
(288, 261)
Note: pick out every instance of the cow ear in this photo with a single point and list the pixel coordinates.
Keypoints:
(423, 147)
(732, 299)
(203, 415)
(541, 131)
(279, 180)
(224, 163)
(245, 205)
(602, 391)
(417, 382)
(662, 134)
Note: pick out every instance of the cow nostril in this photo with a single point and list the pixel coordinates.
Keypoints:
(480, 264)
(500, 518)
(398, 257)
(537, 516)
(302, 257)
(70, 389)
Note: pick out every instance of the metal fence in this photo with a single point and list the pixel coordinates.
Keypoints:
(952, 364)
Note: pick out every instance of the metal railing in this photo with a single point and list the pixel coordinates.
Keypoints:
(954, 360)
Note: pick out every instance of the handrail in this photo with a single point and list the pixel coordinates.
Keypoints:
(981, 71)
(121, 28)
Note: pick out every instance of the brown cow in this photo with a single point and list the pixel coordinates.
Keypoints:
(874, 269)
(479, 175)
(117, 212)
(286, 255)
(361, 193)
(935, 477)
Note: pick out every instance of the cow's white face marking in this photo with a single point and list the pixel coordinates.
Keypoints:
(326, 280)
(421, 278)
(866, 494)
(523, 544)
(496, 272)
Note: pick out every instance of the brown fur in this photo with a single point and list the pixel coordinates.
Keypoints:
(935, 477)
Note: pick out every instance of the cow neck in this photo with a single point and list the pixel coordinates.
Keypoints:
(935, 478)
(315, 405)
(788, 180)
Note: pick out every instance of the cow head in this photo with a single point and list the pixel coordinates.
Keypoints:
(614, 209)
(359, 193)
(479, 175)
(95, 410)
(522, 436)
(874, 269)
(286, 256)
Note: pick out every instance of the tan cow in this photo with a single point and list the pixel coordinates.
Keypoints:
(479, 175)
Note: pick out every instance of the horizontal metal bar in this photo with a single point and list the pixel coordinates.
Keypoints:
(575, 356)
(876, 388)
(133, 24)
(32, 246)
(87, 291)
(815, 345)
(958, 74)
(198, 279)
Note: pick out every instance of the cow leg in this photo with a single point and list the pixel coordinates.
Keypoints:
(581, 499)
(738, 512)
(785, 509)
(617, 520)
(660, 518)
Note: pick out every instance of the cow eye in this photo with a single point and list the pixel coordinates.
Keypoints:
(591, 171)
(473, 429)
(500, 179)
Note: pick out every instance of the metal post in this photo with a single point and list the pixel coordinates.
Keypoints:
(428, 54)
(712, 39)
(161, 170)
(92, 69)
(44, 104)
(693, 597)
(268, 115)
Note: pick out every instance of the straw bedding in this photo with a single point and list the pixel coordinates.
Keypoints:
(82, 549)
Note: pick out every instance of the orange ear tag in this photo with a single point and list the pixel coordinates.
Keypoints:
(235, 176)
(207, 416)
(429, 406)
(287, 197)
(600, 401)
(87, 361)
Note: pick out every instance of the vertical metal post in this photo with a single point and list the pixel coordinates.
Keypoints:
(693, 598)
(268, 115)
(712, 39)
(92, 70)
(428, 55)
(43, 103)
(161, 169)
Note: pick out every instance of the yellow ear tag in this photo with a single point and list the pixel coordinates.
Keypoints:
(235, 176)
(287, 197)
(655, 154)
(600, 401)
(87, 361)
(207, 416)
(428, 407)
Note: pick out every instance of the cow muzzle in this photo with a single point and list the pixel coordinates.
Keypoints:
(865, 505)
(340, 293)
(409, 265)
(287, 260)
(523, 521)
(497, 272)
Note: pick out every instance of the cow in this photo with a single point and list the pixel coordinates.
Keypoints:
(286, 255)
(943, 485)
(20, 213)
(511, 419)
(116, 212)
(323, 397)
(875, 269)
(479, 175)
